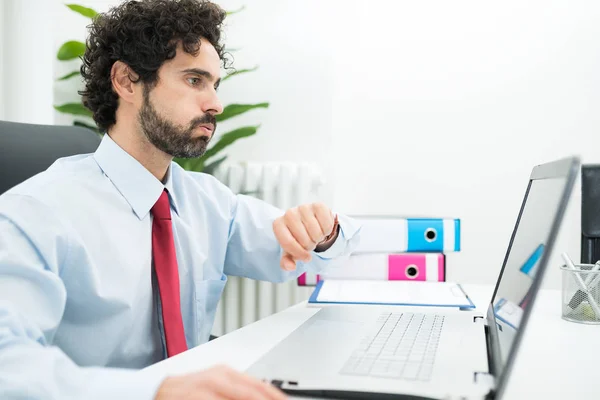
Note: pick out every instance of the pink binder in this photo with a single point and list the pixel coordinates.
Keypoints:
(392, 267)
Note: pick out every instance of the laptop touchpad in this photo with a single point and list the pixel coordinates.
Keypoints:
(324, 328)
(309, 350)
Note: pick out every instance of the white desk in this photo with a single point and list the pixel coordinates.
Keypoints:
(558, 359)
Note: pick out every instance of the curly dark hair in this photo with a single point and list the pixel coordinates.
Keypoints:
(143, 34)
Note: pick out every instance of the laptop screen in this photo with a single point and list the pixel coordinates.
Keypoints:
(533, 236)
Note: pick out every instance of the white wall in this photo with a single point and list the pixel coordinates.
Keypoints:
(291, 41)
(416, 108)
(26, 61)
(442, 108)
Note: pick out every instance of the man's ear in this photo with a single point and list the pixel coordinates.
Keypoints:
(124, 81)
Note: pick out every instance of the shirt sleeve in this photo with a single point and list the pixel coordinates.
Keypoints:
(254, 252)
(34, 250)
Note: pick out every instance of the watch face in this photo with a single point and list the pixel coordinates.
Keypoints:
(335, 229)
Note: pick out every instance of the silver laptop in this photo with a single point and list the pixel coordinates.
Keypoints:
(358, 351)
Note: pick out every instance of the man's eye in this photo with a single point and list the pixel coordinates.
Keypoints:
(194, 81)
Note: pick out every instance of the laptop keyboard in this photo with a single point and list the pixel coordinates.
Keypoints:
(400, 346)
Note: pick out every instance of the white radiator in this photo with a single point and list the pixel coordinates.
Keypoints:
(284, 185)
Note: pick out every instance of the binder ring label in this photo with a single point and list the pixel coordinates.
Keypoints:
(412, 271)
(430, 234)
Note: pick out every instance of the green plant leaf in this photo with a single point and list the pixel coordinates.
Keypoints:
(185, 163)
(211, 168)
(236, 109)
(238, 72)
(235, 11)
(73, 108)
(86, 125)
(69, 75)
(85, 11)
(71, 50)
(228, 139)
(196, 164)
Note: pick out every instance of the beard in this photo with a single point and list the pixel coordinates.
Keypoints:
(170, 138)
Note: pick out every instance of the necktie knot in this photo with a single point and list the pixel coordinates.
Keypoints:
(162, 208)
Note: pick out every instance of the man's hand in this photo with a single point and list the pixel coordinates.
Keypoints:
(300, 230)
(217, 383)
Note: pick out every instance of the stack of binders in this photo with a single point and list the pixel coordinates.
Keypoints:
(396, 248)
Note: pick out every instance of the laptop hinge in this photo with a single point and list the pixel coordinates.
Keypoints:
(485, 378)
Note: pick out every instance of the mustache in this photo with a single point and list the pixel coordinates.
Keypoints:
(205, 119)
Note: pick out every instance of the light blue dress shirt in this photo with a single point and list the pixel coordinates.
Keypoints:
(77, 313)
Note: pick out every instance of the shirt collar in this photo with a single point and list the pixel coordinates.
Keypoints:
(136, 184)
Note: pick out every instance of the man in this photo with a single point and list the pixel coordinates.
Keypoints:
(112, 261)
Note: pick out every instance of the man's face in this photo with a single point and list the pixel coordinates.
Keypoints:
(177, 115)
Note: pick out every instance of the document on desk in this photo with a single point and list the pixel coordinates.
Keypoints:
(402, 293)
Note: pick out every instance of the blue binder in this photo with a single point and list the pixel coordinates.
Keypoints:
(427, 234)
(408, 235)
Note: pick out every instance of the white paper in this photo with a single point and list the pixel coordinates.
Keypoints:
(393, 292)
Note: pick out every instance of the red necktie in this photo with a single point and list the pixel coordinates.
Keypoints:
(167, 274)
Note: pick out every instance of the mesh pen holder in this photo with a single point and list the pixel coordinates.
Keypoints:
(579, 305)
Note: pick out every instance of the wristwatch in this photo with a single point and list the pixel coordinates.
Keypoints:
(328, 241)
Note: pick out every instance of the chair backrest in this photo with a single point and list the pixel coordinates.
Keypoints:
(27, 149)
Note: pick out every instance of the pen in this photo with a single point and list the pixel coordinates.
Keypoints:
(579, 295)
(591, 276)
(590, 281)
(581, 284)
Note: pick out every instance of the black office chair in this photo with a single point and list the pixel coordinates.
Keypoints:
(27, 149)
